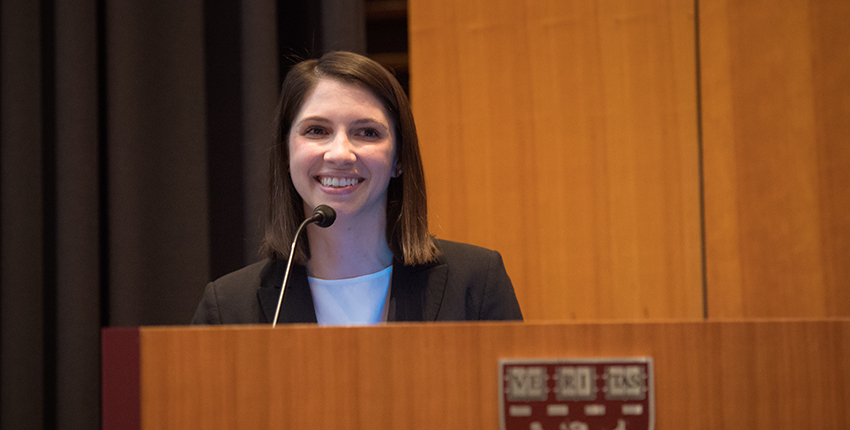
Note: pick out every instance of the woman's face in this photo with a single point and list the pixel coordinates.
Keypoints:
(342, 150)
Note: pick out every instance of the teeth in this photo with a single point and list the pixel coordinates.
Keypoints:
(338, 182)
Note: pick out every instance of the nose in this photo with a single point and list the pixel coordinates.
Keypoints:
(340, 151)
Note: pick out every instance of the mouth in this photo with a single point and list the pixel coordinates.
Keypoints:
(337, 182)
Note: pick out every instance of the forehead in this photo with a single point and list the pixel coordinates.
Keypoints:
(334, 97)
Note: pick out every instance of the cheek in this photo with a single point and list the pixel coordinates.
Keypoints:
(298, 156)
(299, 167)
(385, 161)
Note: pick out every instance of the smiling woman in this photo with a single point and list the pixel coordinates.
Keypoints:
(345, 137)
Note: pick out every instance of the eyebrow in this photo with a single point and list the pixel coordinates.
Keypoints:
(356, 122)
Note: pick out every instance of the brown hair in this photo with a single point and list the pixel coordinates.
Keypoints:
(407, 207)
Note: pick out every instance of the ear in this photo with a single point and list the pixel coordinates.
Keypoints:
(396, 169)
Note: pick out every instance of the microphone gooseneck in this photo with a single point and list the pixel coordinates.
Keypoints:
(323, 216)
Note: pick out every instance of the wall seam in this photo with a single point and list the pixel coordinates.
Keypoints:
(700, 162)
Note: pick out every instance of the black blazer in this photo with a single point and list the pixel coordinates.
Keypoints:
(465, 283)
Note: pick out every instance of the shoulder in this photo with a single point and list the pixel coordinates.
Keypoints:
(232, 298)
(248, 276)
(477, 285)
(463, 253)
(469, 263)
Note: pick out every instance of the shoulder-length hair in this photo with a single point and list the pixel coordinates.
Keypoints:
(407, 207)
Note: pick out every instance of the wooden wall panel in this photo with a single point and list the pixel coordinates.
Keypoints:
(563, 134)
(776, 136)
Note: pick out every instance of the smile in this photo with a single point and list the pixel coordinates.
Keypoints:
(338, 182)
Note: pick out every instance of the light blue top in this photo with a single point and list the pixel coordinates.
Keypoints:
(354, 301)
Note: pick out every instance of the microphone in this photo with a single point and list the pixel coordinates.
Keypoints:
(323, 216)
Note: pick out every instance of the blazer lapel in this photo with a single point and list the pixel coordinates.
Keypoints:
(297, 304)
(416, 292)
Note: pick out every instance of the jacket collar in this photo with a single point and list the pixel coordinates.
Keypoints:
(416, 292)
(297, 304)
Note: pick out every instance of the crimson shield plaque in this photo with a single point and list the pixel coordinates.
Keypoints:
(576, 394)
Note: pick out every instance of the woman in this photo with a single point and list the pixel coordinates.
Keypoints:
(345, 137)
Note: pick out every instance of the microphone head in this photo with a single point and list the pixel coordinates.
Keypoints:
(324, 215)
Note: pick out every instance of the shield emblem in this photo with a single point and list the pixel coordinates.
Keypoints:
(576, 394)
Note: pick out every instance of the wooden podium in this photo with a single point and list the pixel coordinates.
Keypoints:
(778, 374)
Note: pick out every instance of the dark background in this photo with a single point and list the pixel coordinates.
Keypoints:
(134, 142)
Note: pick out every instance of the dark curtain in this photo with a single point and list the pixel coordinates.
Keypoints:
(134, 142)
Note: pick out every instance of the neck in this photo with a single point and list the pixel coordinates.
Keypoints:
(350, 247)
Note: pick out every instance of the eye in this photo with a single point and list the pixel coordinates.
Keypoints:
(315, 130)
(370, 132)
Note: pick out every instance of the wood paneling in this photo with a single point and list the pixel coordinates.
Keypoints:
(563, 134)
(708, 375)
(776, 138)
